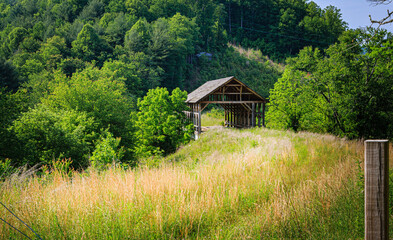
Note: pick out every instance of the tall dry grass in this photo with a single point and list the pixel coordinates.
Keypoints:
(230, 184)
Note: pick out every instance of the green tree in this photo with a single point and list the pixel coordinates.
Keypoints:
(348, 91)
(11, 106)
(93, 10)
(354, 82)
(161, 124)
(150, 74)
(117, 28)
(138, 37)
(106, 152)
(89, 46)
(172, 42)
(71, 65)
(168, 8)
(53, 51)
(290, 102)
(15, 37)
(48, 135)
(94, 92)
(99, 94)
(138, 8)
(8, 76)
(128, 73)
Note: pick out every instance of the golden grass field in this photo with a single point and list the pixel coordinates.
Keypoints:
(229, 184)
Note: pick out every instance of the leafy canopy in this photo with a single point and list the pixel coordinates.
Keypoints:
(161, 124)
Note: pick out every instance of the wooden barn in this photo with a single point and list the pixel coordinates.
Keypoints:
(244, 108)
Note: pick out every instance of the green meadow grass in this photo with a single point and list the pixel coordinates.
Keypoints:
(215, 117)
(229, 184)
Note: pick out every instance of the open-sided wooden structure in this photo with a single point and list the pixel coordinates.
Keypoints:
(243, 107)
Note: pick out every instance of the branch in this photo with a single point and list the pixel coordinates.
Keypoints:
(384, 20)
(379, 2)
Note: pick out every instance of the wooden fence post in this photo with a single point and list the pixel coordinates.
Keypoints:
(376, 208)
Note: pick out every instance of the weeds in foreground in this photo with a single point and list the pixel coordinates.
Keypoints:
(230, 184)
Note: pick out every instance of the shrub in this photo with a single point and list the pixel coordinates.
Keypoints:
(5, 168)
(52, 134)
(106, 152)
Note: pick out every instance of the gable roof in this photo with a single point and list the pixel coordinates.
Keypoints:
(205, 89)
(210, 86)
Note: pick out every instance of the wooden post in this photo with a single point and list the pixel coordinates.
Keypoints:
(225, 118)
(259, 114)
(253, 115)
(229, 115)
(234, 115)
(376, 189)
(248, 119)
(199, 120)
(263, 114)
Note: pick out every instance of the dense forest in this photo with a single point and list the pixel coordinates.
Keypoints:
(78, 77)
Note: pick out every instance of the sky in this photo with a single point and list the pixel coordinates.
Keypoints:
(355, 12)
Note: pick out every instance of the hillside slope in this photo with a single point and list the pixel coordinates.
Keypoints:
(248, 65)
(230, 184)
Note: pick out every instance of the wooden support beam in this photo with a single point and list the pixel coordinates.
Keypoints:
(259, 115)
(263, 114)
(204, 106)
(245, 105)
(231, 102)
(225, 118)
(241, 90)
(199, 119)
(232, 115)
(230, 93)
(253, 115)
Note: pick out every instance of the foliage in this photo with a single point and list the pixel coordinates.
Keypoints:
(289, 101)
(62, 166)
(68, 35)
(49, 134)
(106, 151)
(161, 124)
(285, 28)
(102, 96)
(215, 117)
(94, 92)
(347, 92)
(89, 46)
(8, 76)
(6, 169)
(11, 106)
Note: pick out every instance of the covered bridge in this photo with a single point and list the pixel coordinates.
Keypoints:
(243, 107)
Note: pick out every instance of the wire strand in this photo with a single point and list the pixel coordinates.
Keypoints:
(21, 220)
(15, 228)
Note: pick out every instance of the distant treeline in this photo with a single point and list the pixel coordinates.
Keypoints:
(157, 39)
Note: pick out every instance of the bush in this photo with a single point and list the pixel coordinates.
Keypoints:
(52, 134)
(106, 152)
(5, 168)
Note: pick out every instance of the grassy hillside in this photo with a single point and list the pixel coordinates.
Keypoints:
(248, 65)
(230, 184)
